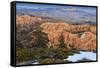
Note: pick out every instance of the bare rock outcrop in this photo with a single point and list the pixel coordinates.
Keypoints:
(55, 31)
(58, 27)
(26, 19)
(49, 26)
(88, 41)
(53, 38)
(71, 40)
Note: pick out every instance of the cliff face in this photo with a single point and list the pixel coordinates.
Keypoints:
(26, 19)
(58, 27)
(68, 27)
(71, 40)
(54, 31)
(80, 37)
(87, 40)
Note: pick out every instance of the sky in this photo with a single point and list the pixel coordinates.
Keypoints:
(44, 6)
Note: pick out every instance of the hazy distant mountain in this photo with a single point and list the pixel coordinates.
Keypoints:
(71, 15)
(86, 23)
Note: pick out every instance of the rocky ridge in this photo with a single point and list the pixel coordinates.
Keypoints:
(80, 37)
(86, 41)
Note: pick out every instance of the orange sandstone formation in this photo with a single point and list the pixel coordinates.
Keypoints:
(71, 40)
(57, 30)
(26, 19)
(88, 41)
